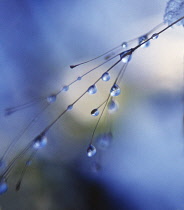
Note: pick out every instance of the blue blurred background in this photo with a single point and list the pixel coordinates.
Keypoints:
(143, 168)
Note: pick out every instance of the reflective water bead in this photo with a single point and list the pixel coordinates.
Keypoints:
(113, 106)
(79, 78)
(104, 140)
(3, 187)
(105, 77)
(143, 39)
(91, 151)
(51, 99)
(95, 112)
(92, 89)
(126, 56)
(155, 36)
(115, 90)
(40, 141)
(124, 45)
(65, 88)
(70, 107)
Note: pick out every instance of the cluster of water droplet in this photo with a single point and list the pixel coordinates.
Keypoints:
(174, 11)
(142, 39)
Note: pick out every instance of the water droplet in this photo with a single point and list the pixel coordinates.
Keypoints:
(105, 77)
(65, 88)
(91, 151)
(143, 39)
(126, 56)
(155, 36)
(104, 140)
(51, 99)
(28, 163)
(2, 165)
(70, 107)
(3, 187)
(124, 45)
(40, 141)
(115, 90)
(92, 89)
(79, 78)
(113, 106)
(95, 112)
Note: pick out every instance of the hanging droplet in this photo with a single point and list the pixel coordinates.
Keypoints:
(40, 142)
(92, 89)
(115, 90)
(70, 107)
(91, 151)
(126, 56)
(155, 36)
(104, 140)
(124, 45)
(79, 78)
(112, 106)
(95, 112)
(105, 77)
(65, 88)
(51, 99)
(143, 39)
(3, 187)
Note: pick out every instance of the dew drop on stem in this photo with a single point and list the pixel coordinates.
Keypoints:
(115, 90)
(91, 151)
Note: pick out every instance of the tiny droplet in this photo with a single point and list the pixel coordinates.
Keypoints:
(3, 187)
(91, 151)
(51, 99)
(40, 142)
(95, 112)
(126, 56)
(92, 89)
(115, 90)
(112, 106)
(155, 36)
(124, 45)
(70, 107)
(143, 39)
(79, 78)
(105, 77)
(65, 88)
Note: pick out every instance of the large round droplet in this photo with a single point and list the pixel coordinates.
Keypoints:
(105, 77)
(70, 107)
(40, 142)
(103, 141)
(143, 39)
(91, 151)
(115, 90)
(126, 56)
(65, 88)
(3, 187)
(112, 106)
(95, 112)
(51, 99)
(92, 89)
